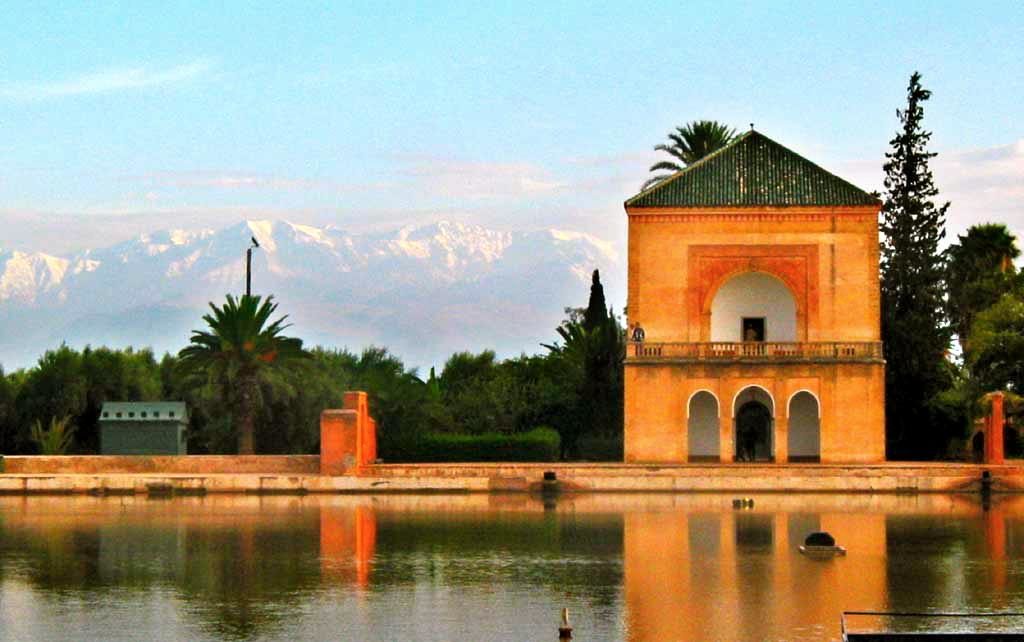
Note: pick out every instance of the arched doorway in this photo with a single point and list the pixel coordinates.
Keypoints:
(753, 306)
(754, 425)
(702, 439)
(804, 435)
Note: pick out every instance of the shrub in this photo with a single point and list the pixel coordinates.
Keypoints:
(539, 444)
(600, 448)
(56, 440)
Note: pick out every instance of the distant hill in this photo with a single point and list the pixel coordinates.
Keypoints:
(422, 291)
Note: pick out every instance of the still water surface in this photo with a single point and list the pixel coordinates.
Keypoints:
(478, 567)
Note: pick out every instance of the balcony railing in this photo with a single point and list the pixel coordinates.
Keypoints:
(756, 351)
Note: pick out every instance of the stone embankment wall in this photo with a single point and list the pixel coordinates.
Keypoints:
(162, 464)
(529, 478)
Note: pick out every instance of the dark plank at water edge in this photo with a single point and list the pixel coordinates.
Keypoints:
(1001, 627)
(917, 637)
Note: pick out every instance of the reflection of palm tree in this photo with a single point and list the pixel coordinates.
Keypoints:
(238, 349)
(689, 144)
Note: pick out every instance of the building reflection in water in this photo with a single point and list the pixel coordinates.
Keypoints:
(672, 567)
(698, 569)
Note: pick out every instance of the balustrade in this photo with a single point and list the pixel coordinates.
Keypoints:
(756, 351)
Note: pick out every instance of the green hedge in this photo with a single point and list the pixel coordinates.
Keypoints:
(539, 444)
(593, 448)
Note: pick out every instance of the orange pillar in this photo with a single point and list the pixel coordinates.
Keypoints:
(339, 437)
(994, 431)
(348, 437)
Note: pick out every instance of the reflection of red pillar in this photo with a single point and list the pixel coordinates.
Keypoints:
(348, 540)
(995, 540)
(994, 431)
(366, 543)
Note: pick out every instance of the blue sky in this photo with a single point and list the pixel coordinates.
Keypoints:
(117, 119)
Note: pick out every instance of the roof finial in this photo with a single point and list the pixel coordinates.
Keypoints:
(751, 126)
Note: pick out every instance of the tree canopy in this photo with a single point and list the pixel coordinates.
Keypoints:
(241, 346)
(914, 329)
(688, 144)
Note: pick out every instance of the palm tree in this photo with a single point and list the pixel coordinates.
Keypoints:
(690, 143)
(236, 352)
(592, 358)
(979, 271)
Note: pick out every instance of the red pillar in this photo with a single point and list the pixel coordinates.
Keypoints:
(339, 437)
(348, 437)
(994, 453)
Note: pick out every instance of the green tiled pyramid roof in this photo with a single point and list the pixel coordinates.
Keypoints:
(752, 170)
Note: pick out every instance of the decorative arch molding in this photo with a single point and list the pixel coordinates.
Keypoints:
(709, 267)
(789, 402)
(748, 387)
(689, 401)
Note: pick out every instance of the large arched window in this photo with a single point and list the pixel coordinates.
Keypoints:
(702, 439)
(753, 301)
(804, 438)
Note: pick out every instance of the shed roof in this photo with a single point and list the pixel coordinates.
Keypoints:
(144, 411)
(751, 171)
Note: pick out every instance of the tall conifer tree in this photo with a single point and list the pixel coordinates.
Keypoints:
(914, 326)
(597, 310)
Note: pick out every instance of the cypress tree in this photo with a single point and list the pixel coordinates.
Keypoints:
(597, 310)
(914, 326)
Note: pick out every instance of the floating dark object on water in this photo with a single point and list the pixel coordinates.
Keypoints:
(821, 544)
(820, 539)
(745, 502)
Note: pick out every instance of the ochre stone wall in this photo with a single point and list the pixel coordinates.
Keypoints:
(165, 464)
(851, 398)
(826, 257)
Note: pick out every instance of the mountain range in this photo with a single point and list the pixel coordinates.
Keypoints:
(422, 291)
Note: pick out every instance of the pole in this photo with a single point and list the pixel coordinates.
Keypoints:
(565, 630)
(248, 272)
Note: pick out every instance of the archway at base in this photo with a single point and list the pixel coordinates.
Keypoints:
(804, 434)
(702, 438)
(754, 425)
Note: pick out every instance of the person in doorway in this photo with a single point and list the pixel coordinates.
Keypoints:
(748, 443)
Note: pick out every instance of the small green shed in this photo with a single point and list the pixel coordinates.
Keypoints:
(143, 428)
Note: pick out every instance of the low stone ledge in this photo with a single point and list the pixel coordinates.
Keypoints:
(162, 464)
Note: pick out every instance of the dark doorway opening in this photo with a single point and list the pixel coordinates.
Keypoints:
(752, 329)
(978, 446)
(753, 432)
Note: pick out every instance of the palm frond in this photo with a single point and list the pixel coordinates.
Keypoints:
(690, 143)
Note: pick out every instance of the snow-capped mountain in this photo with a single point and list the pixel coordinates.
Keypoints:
(422, 291)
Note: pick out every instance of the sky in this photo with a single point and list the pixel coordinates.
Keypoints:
(117, 119)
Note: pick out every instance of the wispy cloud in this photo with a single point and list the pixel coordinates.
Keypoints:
(473, 180)
(982, 185)
(107, 81)
(245, 180)
(230, 180)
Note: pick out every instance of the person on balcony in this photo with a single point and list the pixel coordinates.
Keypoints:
(638, 333)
